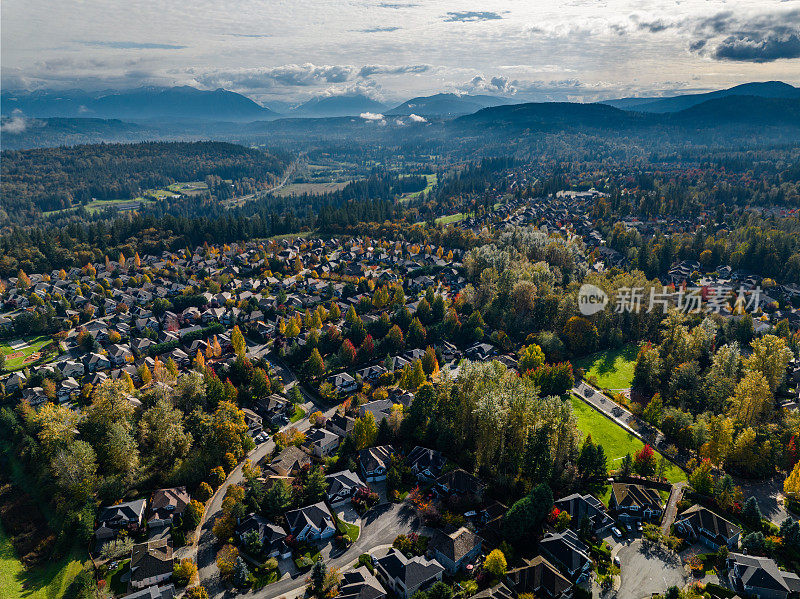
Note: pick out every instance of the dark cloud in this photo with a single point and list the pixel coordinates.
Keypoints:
(471, 16)
(759, 47)
(378, 69)
(655, 26)
(135, 45)
(761, 38)
(378, 29)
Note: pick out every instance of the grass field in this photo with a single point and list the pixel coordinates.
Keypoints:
(294, 189)
(18, 361)
(432, 180)
(48, 582)
(613, 368)
(615, 440)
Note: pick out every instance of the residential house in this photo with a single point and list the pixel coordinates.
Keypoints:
(460, 482)
(165, 504)
(634, 502)
(457, 549)
(701, 524)
(343, 382)
(342, 486)
(568, 551)
(375, 462)
(379, 408)
(760, 577)
(540, 578)
(405, 576)
(153, 592)
(340, 424)
(320, 442)
(311, 523)
(270, 535)
(290, 461)
(586, 506)
(360, 584)
(426, 464)
(151, 563)
(127, 516)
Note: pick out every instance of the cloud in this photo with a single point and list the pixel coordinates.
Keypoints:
(253, 35)
(136, 45)
(500, 84)
(759, 38)
(471, 16)
(15, 124)
(368, 70)
(416, 118)
(396, 5)
(373, 116)
(758, 47)
(290, 75)
(379, 29)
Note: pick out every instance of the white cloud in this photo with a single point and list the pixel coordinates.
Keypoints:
(416, 118)
(371, 116)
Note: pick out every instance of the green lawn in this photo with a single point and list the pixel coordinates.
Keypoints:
(47, 582)
(415, 194)
(299, 414)
(615, 440)
(16, 363)
(351, 531)
(613, 368)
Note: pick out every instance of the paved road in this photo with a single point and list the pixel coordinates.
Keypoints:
(645, 571)
(671, 511)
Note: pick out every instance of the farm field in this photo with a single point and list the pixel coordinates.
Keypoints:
(613, 368)
(19, 357)
(616, 441)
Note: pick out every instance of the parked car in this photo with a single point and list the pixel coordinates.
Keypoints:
(616, 532)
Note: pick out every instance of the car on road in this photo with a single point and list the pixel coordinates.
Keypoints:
(588, 392)
(616, 532)
(617, 411)
(617, 563)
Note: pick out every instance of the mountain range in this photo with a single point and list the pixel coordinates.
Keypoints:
(191, 104)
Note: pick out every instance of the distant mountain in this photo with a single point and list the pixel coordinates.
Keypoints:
(767, 89)
(145, 103)
(335, 106)
(447, 105)
(36, 133)
(715, 112)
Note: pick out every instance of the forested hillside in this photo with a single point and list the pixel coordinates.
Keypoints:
(48, 179)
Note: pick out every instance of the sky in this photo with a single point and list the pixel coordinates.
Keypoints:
(391, 50)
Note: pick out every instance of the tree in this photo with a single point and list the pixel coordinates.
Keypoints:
(318, 575)
(204, 492)
(315, 365)
(527, 515)
(644, 461)
(701, 479)
(751, 510)
(626, 465)
(162, 436)
(530, 357)
(237, 341)
(277, 499)
(791, 486)
(197, 592)
(347, 353)
(217, 477)
(752, 400)
(226, 560)
(440, 590)
(365, 431)
(183, 572)
(394, 339)
(74, 469)
(241, 574)
(316, 485)
(581, 335)
(770, 356)
(495, 563)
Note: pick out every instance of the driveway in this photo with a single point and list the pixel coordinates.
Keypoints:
(645, 571)
(769, 494)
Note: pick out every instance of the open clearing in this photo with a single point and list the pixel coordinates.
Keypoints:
(432, 180)
(296, 189)
(47, 582)
(613, 368)
(616, 441)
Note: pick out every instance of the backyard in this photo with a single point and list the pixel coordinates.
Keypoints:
(612, 368)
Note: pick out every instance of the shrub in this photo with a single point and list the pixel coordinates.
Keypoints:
(204, 492)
